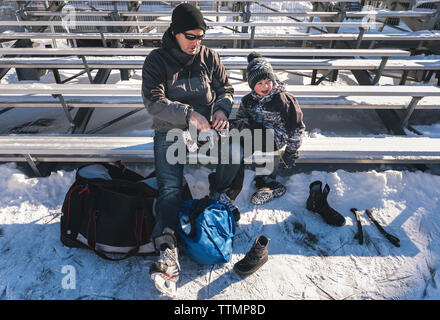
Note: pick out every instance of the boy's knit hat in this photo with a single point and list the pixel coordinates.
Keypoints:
(258, 69)
(187, 17)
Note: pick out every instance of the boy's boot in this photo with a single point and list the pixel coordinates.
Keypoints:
(317, 202)
(255, 258)
(165, 271)
(268, 189)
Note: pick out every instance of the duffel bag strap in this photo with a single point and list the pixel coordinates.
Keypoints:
(91, 235)
(198, 207)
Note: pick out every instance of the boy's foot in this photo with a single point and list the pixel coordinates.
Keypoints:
(267, 191)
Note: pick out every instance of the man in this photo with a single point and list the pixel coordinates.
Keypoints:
(183, 83)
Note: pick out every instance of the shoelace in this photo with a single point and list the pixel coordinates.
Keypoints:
(252, 255)
(169, 256)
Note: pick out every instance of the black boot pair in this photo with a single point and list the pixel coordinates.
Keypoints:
(317, 202)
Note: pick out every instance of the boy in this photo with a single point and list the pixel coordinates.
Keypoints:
(269, 106)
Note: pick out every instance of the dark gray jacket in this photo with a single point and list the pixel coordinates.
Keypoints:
(175, 83)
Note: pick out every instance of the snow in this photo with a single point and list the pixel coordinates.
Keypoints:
(308, 258)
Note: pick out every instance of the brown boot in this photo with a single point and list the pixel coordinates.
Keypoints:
(255, 258)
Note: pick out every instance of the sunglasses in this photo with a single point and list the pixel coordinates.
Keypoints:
(192, 37)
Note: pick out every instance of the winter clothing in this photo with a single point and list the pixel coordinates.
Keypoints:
(187, 17)
(317, 202)
(279, 111)
(258, 69)
(175, 83)
(255, 258)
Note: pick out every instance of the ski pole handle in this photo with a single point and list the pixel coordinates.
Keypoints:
(394, 240)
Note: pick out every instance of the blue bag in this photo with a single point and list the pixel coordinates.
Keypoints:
(206, 227)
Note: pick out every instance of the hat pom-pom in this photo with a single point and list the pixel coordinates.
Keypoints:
(253, 55)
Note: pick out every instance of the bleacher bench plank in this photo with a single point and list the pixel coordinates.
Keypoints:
(299, 90)
(309, 97)
(409, 36)
(236, 64)
(212, 1)
(135, 101)
(73, 148)
(278, 52)
(348, 14)
(74, 24)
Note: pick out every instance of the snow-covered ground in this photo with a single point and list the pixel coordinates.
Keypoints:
(308, 259)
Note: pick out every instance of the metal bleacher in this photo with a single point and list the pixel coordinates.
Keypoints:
(97, 37)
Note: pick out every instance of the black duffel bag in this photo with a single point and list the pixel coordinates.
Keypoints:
(109, 209)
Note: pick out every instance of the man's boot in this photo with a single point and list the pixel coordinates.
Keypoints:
(317, 202)
(165, 271)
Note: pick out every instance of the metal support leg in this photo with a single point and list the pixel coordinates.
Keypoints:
(380, 70)
(323, 77)
(428, 76)
(107, 124)
(104, 43)
(66, 111)
(314, 73)
(32, 164)
(74, 76)
(252, 37)
(86, 66)
(359, 38)
(403, 77)
(409, 110)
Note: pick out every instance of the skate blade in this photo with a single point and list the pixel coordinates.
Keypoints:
(164, 285)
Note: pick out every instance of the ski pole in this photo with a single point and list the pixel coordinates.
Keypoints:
(394, 240)
(359, 235)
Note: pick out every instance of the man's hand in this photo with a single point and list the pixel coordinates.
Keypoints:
(199, 121)
(220, 120)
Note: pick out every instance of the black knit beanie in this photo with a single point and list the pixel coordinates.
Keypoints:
(258, 69)
(187, 17)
